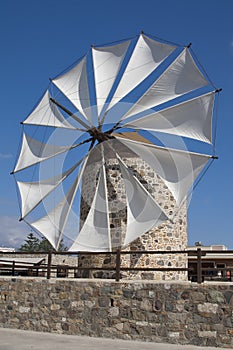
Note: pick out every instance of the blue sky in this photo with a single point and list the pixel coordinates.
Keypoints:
(41, 38)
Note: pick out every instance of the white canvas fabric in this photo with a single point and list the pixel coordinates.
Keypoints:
(32, 193)
(34, 152)
(107, 61)
(142, 211)
(192, 119)
(74, 85)
(52, 225)
(181, 77)
(95, 233)
(46, 113)
(148, 54)
(178, 169)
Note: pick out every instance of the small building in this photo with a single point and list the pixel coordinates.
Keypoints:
(30, 264)
(217, 263)
(21, 266)
(7, 250)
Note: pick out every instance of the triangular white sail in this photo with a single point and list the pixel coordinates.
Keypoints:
(178, 169)
(148, 54)
(34, 152)
(32, 193)
(192, 119)
(107, 61)
(181, 77)
(52, 225)
(95, 233)
(142, 211)
(74, 85)
(46, 113)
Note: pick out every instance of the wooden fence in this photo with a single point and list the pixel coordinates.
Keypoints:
(11, 266)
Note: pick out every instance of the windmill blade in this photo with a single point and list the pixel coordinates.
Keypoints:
(52, 224)
(191, 119)
(107, 62)
(148, 54)
(46, 113)
(181, 77)
(34, 152)
(95, 233)
(143, 213)
(74, 85)
(178, 169)
(32, 193)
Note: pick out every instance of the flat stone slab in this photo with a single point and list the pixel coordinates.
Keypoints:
(14, 339)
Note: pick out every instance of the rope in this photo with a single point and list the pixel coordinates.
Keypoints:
(115, 41)
(216, 123)
(203, 174)
(202, 67)
(164, 40)
(33, 229)
(38, 101)
(69, 67)
(185, 200)
(18, 196)
(18, 149)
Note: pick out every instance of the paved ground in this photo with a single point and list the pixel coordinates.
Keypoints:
(11, 339)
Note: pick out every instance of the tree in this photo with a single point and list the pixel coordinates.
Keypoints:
(33, 244)
(45, 246)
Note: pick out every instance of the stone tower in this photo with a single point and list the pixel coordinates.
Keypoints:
(171, 235)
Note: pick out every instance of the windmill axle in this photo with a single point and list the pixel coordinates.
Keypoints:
(100, 136)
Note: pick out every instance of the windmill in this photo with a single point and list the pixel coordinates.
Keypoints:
(141, 98)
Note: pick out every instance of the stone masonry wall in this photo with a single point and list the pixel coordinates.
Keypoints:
(172, 235)
(181, 313)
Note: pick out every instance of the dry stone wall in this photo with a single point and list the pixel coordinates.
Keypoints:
(181, 313)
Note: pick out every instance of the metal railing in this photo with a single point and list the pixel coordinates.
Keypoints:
(15, 267)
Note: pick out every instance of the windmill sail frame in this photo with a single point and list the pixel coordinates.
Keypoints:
(169, 93)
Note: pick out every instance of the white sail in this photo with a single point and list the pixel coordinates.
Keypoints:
(107, 61)
(52, 225)
(34, 152)
(32, 193)
(142, 211)
(178, 169)
(95, 233)
(74, 85)
(148, 54)
(181, 77)
(192, 119)
(46, 113)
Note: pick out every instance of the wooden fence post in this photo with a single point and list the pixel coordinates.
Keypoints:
(118, 265)
(199, 266)
(13, 268)
(49, 265)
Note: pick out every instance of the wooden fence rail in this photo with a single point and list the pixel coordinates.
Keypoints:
(13, 267)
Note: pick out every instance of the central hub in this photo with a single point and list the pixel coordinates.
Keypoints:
(100, 136)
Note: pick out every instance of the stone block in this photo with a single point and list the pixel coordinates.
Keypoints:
(104, 302)
(207, 334)
(24, 309)
(146, 305)
(174, 334)
(54, 307)
(113, 311)
(207, 308)
(215, 296)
